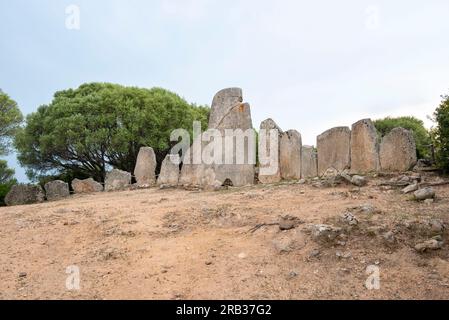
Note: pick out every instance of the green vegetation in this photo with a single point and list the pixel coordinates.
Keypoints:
(441, 134)
(10, 120)
(84, 132)
(6, 181)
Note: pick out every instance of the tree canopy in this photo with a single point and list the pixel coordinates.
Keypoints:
(6, 174)
(416, 126)
(10, 120)
(84, 131)
(6, 180)
(441, 134)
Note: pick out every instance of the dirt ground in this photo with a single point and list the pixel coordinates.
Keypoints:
(179, 244)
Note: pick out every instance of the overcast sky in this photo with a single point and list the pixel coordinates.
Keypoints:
(309, 65)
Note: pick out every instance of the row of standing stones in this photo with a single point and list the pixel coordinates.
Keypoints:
(356, 150)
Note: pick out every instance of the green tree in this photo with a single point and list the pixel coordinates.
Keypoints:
(10, 120)
(416, 126)
(6, 174)
(84, 132)
(6, 181)
(441, 134)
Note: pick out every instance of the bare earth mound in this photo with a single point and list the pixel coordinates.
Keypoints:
(177, 244)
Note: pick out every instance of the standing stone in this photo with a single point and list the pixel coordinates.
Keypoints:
(22, 194)
(56, 190)
(232, 118)
(86, 186)
(309, 162)
(145, 167)
(270, 172)
(398, 151)
(334, 147)
(290, 155)
(191, 172)
(117, 180)
(228, 113)
(169, 175)
(364, 147)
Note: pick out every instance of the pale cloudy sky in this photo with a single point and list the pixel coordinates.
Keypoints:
(310, 65)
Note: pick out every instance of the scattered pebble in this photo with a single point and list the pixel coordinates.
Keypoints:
(411, 188)
(314, 253)
(389, 237)
(242, 255)
(286, 223)
(343, 255)
(350, 219)
(359, 181)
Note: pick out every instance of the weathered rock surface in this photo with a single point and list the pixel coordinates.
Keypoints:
(228, 110)
(192, 171)
(117, 180)
(288, 222)
(432, 244)
(169, 175)
(424, 194)
(364, 147)
(334, 147)
(86, 186)
(270, 152)
(232, 118)
(398, 151)
(411, 188)
(145, 167)
(350, 219)
(331, 177)
(359, 181)
(290, 155)
(309, 162)
(436, 226)
(22, 194)
(56, 190)
(325, 233)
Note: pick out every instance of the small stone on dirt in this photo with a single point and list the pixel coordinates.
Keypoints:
(389, 237)
(436, 226)
(287, 223)
(325, 233)
(411, 188)
(314, 253)
(359, 181)
(242, 255)
(365, 209)
(433, 244)
(424, 194)
(343, 255)
(350, 219)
